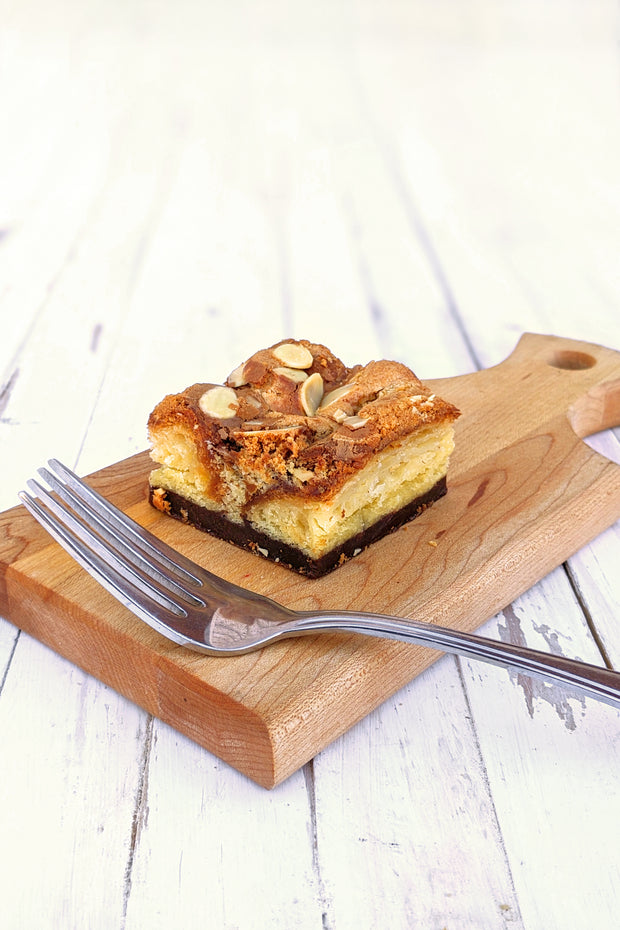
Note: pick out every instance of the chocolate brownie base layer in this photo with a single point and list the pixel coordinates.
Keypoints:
(245, 536)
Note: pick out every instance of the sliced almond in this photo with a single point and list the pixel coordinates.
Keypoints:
(335, 395)
(293, 374)
(354, 422)
(310, 394)
(294, 355)
(268, 430)
(219, 402)
(236, 378)
(338, 415)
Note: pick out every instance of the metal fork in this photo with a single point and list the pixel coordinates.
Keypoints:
(199, 610)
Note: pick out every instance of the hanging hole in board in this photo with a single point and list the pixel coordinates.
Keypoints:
(570, 360)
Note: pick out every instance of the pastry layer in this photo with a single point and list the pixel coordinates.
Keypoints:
(247, 536)
(390, 481)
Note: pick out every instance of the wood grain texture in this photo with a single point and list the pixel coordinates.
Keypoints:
(525, 494)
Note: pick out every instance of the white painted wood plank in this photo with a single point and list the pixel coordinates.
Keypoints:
(211, 843)
(405, 817)
(412, 320)
(205, 295)
(552, 769)
(299, 98)
(61, 367)
(8, 637)
(37, 244)
(70, 758)
(594, 570)
(508, 146)
(52, 715)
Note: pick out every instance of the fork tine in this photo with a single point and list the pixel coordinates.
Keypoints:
(154, 549)
(114, 581)
(119, 542)
(107, 553)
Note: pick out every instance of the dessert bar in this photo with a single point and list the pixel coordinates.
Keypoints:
(300, 458)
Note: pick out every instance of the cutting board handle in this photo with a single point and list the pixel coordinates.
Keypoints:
(589, 374)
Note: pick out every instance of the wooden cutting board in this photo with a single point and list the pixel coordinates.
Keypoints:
(524, 494)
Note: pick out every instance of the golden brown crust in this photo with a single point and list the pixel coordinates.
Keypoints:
(276, 441)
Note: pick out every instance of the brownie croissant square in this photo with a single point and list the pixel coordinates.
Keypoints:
(298, 457)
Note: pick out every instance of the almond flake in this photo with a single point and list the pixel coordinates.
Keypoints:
(268, 430)
(310, 394)
(236, 377)
(354, 422)
(254, 425)
(335, 395)
(293, 374)
(294, 355)
(219, 402)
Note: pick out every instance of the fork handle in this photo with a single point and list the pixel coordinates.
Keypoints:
(594, 681)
